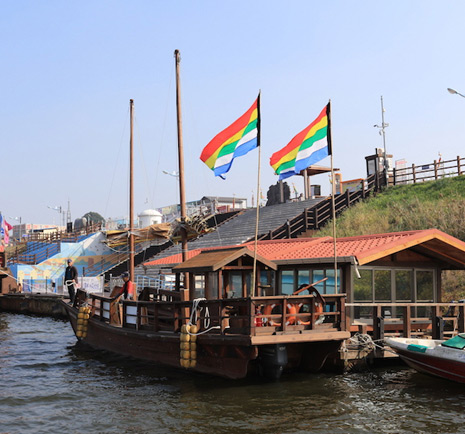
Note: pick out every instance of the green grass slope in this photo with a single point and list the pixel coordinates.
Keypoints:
(435, 204)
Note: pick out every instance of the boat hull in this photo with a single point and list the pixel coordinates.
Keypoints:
(438, 361)
(229, 356)
(226, 359)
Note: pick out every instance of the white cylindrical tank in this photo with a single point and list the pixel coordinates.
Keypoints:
(149, 217)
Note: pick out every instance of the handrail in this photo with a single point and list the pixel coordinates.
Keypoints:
(404, 323)
(242, 316)
(317, 216)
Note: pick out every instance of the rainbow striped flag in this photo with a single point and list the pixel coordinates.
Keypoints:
(306, 148)
(238, 139)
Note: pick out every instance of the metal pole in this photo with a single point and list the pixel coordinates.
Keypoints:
(131, 191)
(333, 188)
(383, 125)
(257, 218)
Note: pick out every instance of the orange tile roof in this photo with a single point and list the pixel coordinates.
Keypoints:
(364, 248)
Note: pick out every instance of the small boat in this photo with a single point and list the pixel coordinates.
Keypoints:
(445, 359)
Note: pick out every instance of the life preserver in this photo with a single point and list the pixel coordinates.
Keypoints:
(292, 309)
(267, 310)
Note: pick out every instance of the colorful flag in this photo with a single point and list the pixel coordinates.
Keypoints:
(236, 140)
(306, 148)
(5, 230)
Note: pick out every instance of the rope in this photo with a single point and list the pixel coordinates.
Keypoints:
(194, 317)
(365, 340)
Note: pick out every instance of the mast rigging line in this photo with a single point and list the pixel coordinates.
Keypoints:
(116, 163)
(163, 132)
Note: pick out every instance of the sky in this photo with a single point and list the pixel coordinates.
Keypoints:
(70, 68)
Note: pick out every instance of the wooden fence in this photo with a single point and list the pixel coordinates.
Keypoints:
(428, 172)
(409, 321)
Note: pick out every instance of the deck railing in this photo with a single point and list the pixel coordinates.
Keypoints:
(435, 320)
(317, 216)
(244, 316)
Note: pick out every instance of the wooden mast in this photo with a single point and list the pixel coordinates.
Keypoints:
(131, 191)
(182, 195)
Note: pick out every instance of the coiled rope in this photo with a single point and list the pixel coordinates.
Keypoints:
(196, 310)
(366, 341)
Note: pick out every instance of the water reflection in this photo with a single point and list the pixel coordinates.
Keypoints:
(46, 378)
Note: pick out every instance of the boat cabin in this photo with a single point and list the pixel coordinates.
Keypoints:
(226, 273)
(381, 275)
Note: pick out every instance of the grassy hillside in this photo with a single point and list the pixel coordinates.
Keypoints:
(435, 204)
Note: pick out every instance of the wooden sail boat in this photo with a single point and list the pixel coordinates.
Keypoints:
(220, 333)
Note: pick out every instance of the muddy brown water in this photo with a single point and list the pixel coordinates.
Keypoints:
(50, 384)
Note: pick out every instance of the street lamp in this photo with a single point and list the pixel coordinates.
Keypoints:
(173, 173)
(382, 132)
(60, 210)
(454, 92)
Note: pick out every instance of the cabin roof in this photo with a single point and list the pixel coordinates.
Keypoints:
(215, 259)
(364, 249)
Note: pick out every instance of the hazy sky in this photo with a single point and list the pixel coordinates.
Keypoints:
(69, 69)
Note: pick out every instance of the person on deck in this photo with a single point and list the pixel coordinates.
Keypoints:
(70, 280)
(127, 291)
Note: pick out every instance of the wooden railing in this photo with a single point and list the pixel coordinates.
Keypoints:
(41, 252)
(316, 217)
(243, 316)
(428, 172)
(410, 319)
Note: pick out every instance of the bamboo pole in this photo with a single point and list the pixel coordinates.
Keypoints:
(182, 196)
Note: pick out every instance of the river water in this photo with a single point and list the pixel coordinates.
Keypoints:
(50, 384)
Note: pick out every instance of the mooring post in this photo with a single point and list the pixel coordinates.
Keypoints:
(461, 319)
(407, 321)
(438, 324)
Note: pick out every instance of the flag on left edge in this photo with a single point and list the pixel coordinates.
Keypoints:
(238, 139)
(6, 227)
(308, 147)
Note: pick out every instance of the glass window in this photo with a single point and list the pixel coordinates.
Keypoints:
(303, 277)
(425, 285)
(330, 289)
(287, 282)
(382, 285)
(363, 290)
(318, 275)
(404, 280)
(266, 282)
(235, 287)
(199, 286)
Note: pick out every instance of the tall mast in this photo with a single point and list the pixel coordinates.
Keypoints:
(131, 191)
(182, 195)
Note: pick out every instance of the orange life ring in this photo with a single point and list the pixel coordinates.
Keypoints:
(267, 310)
(317, 314)
(292, 309)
